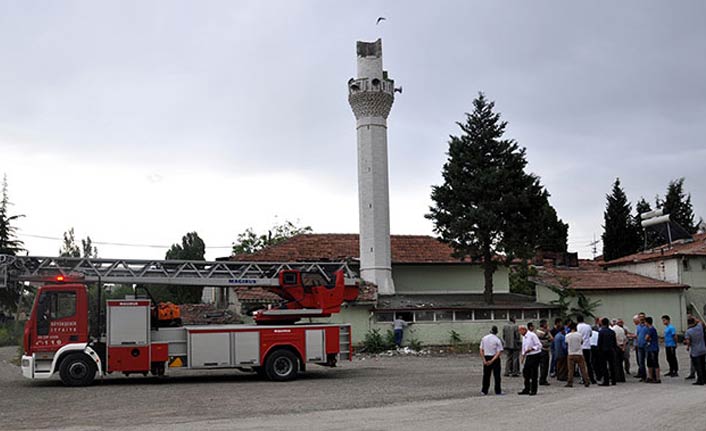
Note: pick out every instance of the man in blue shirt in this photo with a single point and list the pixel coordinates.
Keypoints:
(670, 346)
(560, 356)
(694, 338)
(652, 349)
(639, 341)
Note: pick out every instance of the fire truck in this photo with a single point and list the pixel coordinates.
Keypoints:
(136, 335)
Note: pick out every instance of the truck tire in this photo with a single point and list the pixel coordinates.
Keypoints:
(281, 365)
(77, 369)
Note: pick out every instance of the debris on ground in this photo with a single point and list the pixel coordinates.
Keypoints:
(207, 314)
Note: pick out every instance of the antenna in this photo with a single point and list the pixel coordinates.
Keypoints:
(593, 245)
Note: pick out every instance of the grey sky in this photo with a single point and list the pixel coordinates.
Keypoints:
(138, 121)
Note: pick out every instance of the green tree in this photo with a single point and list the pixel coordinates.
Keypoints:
(677, 203)
(250, 242)
(69, 247)
(89, 250)
(9, 245)
(649, 238)
(192, 247)
(488, 204)
(621, 236)
(521, 278)
(555, 233)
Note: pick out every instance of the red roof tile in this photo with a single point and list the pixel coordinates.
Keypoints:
(694, 247)
(591, 277)
(337, 246)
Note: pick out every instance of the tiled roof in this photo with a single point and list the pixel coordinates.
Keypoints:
(367, 293)
(336, 246)
(592, 277)
(694, 247)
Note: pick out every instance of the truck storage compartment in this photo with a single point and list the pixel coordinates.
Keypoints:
(209, 349)
(175, 337)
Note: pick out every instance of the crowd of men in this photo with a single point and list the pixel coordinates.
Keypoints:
(598, 354)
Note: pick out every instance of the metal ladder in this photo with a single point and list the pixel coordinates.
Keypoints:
(166, 272)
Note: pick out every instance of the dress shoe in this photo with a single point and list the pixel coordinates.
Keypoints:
(523, 393)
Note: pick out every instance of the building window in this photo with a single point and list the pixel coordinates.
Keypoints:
(424, 316)
(500, 315)
(464, 315)
(483, 314)
(444, 316)
(384, 317)
(407, 316)
(544, 314)
(516, 314)
(530, 314)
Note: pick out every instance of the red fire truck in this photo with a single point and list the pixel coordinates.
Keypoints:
(134, 337)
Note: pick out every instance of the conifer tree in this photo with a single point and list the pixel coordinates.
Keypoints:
(487, 204)
(677, 204)
(9, 245)
(621, 235)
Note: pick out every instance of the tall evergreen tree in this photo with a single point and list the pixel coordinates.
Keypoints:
(677, 204)
(69, 247)
(192, 247)
(488, 204)
(648, 237)
(9, 245)
(621, 236)
(555, 233)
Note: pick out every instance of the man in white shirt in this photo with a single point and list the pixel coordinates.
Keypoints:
(531, 353)
(622, 340)
(574, 343)
(586, 332)
(490, 349)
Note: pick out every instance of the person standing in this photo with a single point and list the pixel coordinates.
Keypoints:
(398, 325)
(560, 353)
(574, 344)
(531, 352)
(622, 340)
(490, 350)
(652, 349)
(607, 345)
(546, 339)
(513, 343)
(694, 339)
(670, 346)
(558, 327)
(628, 346)
(585, 330)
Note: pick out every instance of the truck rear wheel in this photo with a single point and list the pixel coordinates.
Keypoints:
(77, 369)
(281, 365)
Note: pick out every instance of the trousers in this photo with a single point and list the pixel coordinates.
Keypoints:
(531, 373)
(493, 369)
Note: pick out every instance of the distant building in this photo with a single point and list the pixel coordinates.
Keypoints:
(684, 263)
(622, 294)
(436, 291)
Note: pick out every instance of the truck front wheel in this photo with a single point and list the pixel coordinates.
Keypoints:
(77, 369)
(281, 365)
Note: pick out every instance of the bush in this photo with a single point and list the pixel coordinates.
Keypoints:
(454, 338)
(11, 333)
(375, 342)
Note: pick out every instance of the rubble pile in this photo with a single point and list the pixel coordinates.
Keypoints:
(207, 314)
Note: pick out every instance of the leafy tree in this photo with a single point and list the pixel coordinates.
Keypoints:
(9, 245)
(250, 242)
(69, 247)
(649, 237)
(488, 204)
(192, 247)
(89, 250)
(621, 236)
(677, 204)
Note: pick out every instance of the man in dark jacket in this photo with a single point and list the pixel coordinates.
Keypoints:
(607, 345)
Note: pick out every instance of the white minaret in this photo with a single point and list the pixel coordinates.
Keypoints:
(371, 95)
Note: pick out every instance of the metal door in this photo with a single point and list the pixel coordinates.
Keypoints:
(315, 345)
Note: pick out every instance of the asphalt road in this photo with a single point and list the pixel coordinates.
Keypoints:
(426, 393)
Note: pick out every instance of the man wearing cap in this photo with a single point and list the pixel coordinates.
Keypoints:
(490, 350)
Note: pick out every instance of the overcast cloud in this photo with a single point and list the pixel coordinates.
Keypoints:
(136, 122)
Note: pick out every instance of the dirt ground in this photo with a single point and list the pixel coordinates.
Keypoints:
(425, 393)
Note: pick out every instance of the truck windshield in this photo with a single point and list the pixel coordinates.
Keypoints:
(54, 306)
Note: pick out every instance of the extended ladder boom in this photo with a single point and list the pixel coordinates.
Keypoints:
(166, 272)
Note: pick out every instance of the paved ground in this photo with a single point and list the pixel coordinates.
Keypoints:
(373, 394)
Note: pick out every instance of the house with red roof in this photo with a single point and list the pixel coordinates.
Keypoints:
(621, 293)
(682, 262)
(434, 290)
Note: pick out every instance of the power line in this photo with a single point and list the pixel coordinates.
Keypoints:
(117, 244)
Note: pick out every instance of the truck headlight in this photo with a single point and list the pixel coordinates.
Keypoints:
(25, 362)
